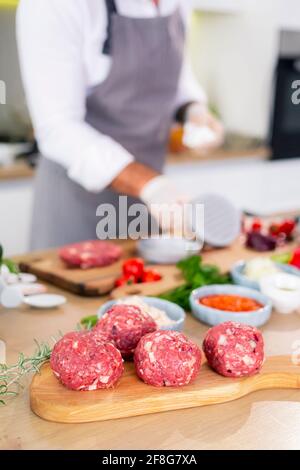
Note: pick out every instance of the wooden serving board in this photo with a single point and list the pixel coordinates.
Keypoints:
(52, 401)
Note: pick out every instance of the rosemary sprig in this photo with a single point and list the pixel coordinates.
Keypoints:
(11, 376)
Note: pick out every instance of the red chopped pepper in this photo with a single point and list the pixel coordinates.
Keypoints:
(124, 280)
(295, 261)
(134, 267)
(151, 276)
(134, 272)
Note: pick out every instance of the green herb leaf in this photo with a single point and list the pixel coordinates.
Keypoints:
(13, 268)
(283, 258)
(196, 275)
(89, 322)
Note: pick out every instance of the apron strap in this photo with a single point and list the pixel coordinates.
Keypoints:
(111, 9)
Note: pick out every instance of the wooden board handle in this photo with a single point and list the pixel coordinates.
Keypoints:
(52, 401)
(278, 372)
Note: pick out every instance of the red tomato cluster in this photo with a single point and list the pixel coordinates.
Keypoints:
(282, 229)
(134, 272)
(265, 236)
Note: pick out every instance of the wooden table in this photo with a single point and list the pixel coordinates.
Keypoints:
(264, 420)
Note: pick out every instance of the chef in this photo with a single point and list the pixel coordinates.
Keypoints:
(104, 79)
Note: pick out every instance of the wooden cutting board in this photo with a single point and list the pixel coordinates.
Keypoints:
(48, 267)
(52, 401)
(98, 281)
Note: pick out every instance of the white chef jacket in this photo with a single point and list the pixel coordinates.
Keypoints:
(60, 47)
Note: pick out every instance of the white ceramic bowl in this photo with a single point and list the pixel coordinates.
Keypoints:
(283, 289)
(238, 274)
(167, 250)
(173, 311)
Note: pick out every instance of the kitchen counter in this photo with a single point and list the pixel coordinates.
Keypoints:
(20, 169)
(222, 154)
(15, 171)
(263, 420)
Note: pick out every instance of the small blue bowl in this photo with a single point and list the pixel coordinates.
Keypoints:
(174, 312)
(239, 278)
(213, 316)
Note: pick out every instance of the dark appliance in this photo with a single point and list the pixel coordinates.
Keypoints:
(285, 125)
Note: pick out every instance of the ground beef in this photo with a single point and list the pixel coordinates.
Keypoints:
(83, 361)
(234, 350)
(90, 254)
(167, 358)
(125, 325)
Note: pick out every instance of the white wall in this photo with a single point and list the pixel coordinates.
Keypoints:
(15, 211)
(234, 57)
(249, 183)
(289, 14)
(14, 117)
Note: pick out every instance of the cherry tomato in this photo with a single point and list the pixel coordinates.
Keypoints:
(287, 227)
(124, 280)
(274, 229)
(256, 225)
(134, 267)
(151, 276)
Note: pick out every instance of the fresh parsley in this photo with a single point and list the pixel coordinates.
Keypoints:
(196, 274)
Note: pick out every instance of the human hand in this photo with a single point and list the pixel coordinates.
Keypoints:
(168, 206)
(202, 131)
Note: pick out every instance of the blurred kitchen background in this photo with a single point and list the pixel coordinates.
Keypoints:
(246, 54)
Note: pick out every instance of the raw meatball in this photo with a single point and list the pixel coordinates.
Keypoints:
(167, 359)
(90, 254)
(83, 361)
(124, 325)
(234, 350)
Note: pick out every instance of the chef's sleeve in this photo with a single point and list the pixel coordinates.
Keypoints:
(50, 43)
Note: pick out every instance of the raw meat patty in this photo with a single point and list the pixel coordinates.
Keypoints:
(167, 358)
(234, 350)
(83, 361)
(124, 325)
(90, 254)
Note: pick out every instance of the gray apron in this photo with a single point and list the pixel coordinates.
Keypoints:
(134, 105)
